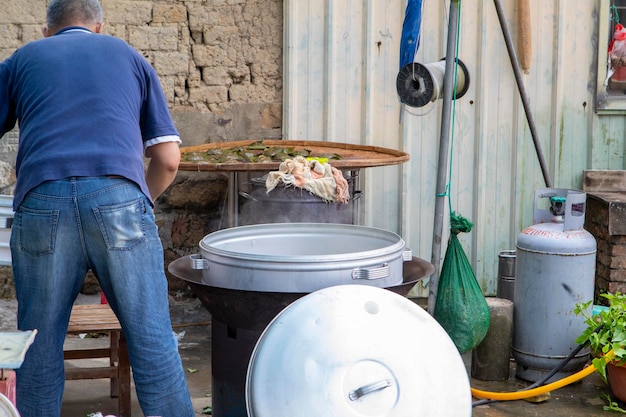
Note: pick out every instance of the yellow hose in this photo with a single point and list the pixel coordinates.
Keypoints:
(519, 395)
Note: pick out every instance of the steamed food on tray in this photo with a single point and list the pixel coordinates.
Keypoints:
(256, 152)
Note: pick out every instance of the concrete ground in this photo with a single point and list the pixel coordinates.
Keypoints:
(84, 397)
(192, 323)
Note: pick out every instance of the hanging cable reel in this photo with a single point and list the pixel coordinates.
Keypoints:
(418, 84)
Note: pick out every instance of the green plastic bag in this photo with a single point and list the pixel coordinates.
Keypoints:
(461, 308)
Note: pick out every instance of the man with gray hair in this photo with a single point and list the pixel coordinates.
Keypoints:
(89, 109)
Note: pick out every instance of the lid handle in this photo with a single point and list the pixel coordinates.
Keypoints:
(368, 389)
(371, 273)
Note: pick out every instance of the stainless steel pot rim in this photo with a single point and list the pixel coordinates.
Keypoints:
(237, 243)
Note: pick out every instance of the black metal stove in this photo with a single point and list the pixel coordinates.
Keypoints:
(238, 319)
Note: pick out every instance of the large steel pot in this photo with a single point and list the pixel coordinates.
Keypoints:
(239, 317)
(300, 257)
(253, 310)
(293, 204)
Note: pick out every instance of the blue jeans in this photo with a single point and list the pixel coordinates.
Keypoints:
(63, 229)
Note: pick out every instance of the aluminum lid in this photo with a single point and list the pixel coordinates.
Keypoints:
(355, 350)
(7, 409)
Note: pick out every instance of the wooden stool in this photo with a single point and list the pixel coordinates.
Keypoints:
(96, 318)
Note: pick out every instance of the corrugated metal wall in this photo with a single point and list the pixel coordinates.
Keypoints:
(341, 62)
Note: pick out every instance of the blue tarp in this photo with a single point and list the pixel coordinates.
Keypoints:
(411, 28)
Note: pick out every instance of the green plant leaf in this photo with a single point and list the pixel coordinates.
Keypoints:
(612, 405)
(600, 365)
(605, 333)
(619, 351)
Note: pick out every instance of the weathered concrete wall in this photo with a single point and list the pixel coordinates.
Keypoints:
(220, 65)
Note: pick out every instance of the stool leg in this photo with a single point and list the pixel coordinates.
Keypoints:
(124, 378)
(114, 361)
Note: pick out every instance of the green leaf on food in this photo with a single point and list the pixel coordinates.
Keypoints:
(254, 152)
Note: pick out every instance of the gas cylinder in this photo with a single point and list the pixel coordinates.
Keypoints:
(554, 271)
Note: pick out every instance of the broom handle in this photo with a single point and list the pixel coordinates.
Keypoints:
(525, 39)
(522, 90)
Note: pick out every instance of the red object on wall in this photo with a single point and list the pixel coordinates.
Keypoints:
(617, 53)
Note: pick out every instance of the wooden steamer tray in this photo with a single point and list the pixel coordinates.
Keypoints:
(352, 156)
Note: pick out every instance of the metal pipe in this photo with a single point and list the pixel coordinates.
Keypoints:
(444, 145)
(522, 91)
(233, 199)
(356, 186)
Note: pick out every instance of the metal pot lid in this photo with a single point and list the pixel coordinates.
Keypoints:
(7, 409)
(356, 351)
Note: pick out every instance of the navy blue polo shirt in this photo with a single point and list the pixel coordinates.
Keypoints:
(87, 105)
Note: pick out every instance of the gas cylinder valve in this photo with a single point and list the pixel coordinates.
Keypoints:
(557, 205)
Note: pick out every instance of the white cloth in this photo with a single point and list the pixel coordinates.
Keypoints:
(318, 178)
(13, 347)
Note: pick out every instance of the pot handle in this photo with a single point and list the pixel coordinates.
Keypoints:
(368, 389)
(198, 262)
(371, 273)
(247, 196)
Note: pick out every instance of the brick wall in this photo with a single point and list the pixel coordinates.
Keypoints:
(600, 220)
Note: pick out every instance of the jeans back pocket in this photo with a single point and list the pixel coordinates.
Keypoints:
(122, 225)
(36, 230)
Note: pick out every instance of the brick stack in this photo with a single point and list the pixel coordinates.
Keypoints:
(605, 219)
